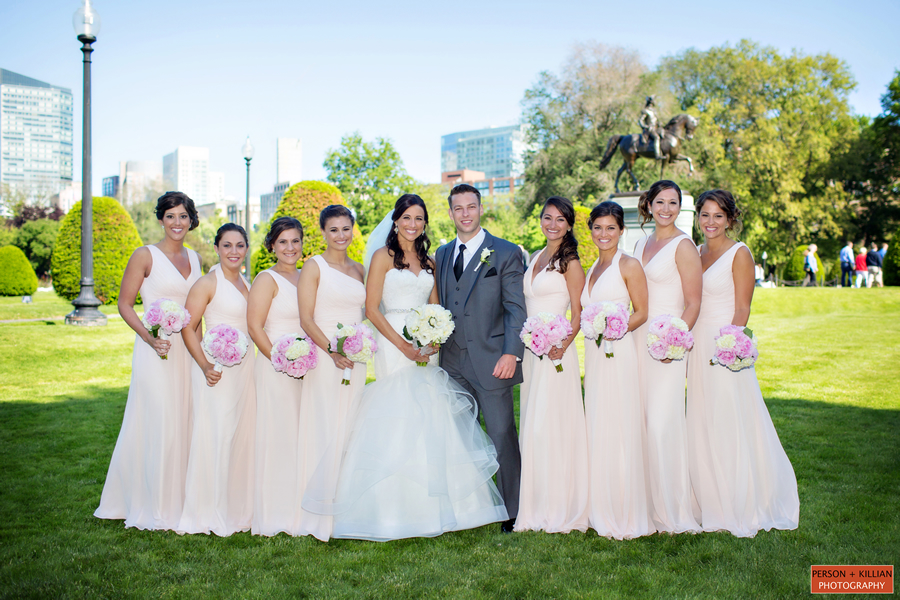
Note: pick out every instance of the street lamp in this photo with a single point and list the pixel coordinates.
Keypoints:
(87, 25)
(247, 151)
(765, 255)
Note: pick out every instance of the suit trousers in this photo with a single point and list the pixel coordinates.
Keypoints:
(496, 408)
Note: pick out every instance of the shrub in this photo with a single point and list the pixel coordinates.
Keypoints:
(115, 239)
(304, 201)
(795, 271)
(891, 264)
(36, 239)
(17, 278)
(587, 251)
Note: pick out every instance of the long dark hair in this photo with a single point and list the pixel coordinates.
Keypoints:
(421, 244)
(650, 195)
(230, 227)
(568, 248)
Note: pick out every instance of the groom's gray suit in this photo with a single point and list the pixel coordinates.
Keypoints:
(488, 306)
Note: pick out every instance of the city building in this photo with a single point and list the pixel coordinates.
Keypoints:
(35, 135)
(140, 181)
(268, 203)
(495, 151)
(216, 186)
(187, 170)
(236, 212)
(68, 195)
(494, 188)
(110, 186)
(220, 207)
(289, 153)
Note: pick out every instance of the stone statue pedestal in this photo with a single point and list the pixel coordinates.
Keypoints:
(633, 232)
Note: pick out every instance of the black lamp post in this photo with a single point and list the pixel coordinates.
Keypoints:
(87, 25)
(247, 151)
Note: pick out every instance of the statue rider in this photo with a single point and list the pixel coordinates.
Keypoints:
(650, 124)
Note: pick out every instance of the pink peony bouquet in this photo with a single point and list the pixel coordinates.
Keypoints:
(165, 317)
(735, 348)
(605, 322)
(226, 345)
(545, 331)
(356, 342)
(669, 338)
(294, 355)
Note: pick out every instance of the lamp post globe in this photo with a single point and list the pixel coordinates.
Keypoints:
(247, 152)
(86, 22)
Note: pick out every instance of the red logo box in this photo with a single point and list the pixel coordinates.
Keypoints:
(851, 579)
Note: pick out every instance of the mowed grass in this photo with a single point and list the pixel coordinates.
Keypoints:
(828, 373)
(43, 305)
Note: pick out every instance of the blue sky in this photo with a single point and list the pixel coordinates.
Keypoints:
(193, 73)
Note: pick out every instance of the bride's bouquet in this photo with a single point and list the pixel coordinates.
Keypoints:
(356, 342)
(605, 322)
(226, 345)
(545, 331)
(669, 338)
(165, 317)
(428, 324)
(294, 355)
(735, 348)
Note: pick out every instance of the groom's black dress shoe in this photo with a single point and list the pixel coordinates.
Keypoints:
(507, 526)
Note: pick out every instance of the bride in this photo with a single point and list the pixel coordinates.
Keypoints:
(416, 462)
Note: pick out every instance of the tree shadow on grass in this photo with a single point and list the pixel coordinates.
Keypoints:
(847, 461)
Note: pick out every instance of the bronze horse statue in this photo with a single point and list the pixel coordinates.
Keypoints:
(636, 145)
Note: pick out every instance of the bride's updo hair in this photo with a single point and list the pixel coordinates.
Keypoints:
(422, 243)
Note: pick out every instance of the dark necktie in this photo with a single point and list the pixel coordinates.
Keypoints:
(458, 264)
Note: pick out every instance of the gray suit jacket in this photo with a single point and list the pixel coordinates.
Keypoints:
(494, 306)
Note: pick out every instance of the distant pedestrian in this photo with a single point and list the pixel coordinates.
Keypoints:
(862, 271)
(873, 264)
(882, 252)
(848, 265)
(811, 266)
(758, 274)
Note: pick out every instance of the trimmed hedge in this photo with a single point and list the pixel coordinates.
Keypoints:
(17, 277)
(587, 250)
(795, 271)
(304, 201)
(891, 264)
(115, 239)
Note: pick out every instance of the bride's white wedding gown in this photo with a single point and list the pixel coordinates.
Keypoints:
(416, 462)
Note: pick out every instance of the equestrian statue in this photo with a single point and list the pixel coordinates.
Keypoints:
(658, 143)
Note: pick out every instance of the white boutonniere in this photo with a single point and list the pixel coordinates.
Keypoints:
(485, 258)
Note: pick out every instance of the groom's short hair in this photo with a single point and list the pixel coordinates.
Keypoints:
(463, 188)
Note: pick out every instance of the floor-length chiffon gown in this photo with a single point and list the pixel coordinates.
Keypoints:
(619, 505)
(325, 403)
(219, 485)
(554, 488)
(663, 394)
(417, 463)
(742, 478)
(145, 481)
(276, 500)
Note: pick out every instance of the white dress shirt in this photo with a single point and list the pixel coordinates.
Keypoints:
(472, 247)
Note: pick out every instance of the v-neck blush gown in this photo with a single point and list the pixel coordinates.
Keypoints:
(276, 502)
(612, 403)
(741, 476)
(219, 485)
(663, 392)
(325, 404)
(553, 496)
(145, 481)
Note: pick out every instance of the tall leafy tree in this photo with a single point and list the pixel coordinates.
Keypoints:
(37, 239)
(370, 176)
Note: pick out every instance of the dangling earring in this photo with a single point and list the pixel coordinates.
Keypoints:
(396, 229)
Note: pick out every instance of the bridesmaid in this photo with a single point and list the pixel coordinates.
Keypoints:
(742, 478)
(271, 313)
(672, 267)
(553, 441)
(145, 482)
(612, 397)
(330, 291)
(218, 489)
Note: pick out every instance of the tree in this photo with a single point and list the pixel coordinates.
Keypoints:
(115, 239)
(37, 239)
(569, 118)
(370, 175)
(770, 126)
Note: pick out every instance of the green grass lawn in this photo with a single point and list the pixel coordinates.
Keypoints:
(44, 305)
(827, 370)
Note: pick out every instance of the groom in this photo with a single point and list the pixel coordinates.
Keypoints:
(480, 282)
